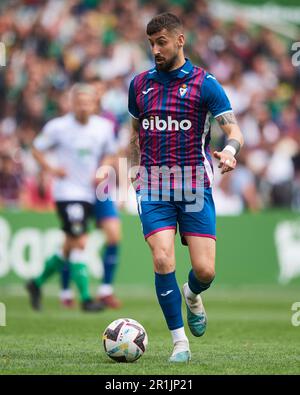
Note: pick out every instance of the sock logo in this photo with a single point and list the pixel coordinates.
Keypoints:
(167, 293)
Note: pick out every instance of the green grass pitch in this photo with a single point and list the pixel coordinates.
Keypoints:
(249, 332)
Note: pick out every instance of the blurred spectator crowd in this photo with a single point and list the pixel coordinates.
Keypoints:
(54, 43)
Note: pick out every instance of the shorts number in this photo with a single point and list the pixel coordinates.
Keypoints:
(75, 212)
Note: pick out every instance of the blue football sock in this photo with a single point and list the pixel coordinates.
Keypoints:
(197, 286)
(169, 298)
(110, 260)
(65, 276)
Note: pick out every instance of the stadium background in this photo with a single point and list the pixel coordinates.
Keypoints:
(52, 44)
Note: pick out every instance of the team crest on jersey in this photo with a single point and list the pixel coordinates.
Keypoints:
(182, 90)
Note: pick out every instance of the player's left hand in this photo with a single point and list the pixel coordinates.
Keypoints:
(227, 161)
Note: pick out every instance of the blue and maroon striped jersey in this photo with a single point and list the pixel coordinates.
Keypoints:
(174, 111)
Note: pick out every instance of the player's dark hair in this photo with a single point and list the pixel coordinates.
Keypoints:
(166, 21)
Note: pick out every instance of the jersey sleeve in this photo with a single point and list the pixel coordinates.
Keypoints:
(132, 105)
(48, 138)
(214, 96)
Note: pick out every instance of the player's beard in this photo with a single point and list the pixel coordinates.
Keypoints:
(168, 64)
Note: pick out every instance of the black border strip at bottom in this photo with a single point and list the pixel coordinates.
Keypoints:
(163, 383)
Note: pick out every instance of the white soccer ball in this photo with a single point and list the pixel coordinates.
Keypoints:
(125, 340)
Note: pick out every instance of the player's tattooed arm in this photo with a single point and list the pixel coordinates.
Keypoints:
(135, 153)
(230, 127)
(227, 119)
(235, 141)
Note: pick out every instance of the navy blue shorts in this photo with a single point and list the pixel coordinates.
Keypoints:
(161, 215)
(104, 210)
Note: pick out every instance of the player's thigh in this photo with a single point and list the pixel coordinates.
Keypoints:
(76, 242)
(159, 223)
(162, 245)
(112, 229)
(156, 216)
(198, 231)
(197, 219)
(203, 254)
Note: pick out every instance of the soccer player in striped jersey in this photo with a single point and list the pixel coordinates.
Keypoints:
(171, 106)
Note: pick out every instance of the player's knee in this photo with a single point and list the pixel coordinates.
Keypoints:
(112, 231)
(205, 275)
(163, 262)
(113, 238)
